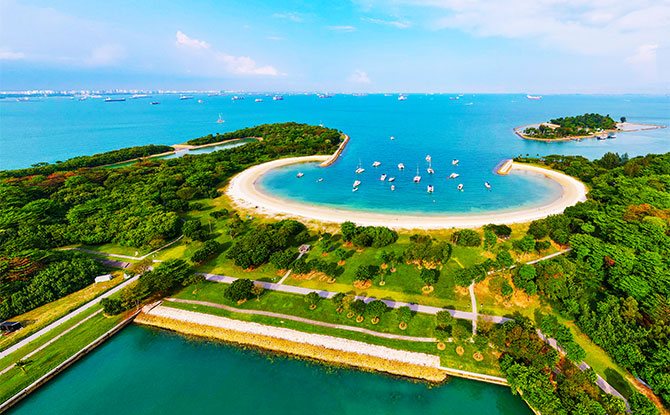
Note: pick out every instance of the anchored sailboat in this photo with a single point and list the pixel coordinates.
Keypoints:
(220, 120)
(401, 166)
(417, 178)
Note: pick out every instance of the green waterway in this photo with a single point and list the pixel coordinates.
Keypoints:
(150, 371)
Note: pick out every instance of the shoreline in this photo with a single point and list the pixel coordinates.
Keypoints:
(622, 127)
(245, 194)
(334, 350)
(337, 152)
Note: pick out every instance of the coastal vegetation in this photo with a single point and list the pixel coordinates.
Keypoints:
(579, 125)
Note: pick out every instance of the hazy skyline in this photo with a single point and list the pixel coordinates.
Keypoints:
(600, 46)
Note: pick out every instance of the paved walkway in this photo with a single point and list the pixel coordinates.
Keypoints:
(466, 315)
(473, 300)
(133, 258)
(67, 317)
(304, 320)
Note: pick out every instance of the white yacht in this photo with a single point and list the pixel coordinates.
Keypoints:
(428, 158)
(320, 179)
(488, 185)
(393, 188)
(417, 178)
(391, 179)
(401, 166)
(402, 98)
(359, 170)
(453, 176)
(460, 187)
(392, 138)
(454, 162)
(383, 177)
(356, 183)
(220, 120)
(258, 100)
(376, 164)
(430, 189)
(299, 175)
(355, 189)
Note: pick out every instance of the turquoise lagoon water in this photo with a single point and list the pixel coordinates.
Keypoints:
(479, 135)
(149, 371)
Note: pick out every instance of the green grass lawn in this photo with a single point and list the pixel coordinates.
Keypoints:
(42, 316)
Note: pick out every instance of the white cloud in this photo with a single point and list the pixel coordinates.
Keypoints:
(644, 60)
(295, 17)
(239, 65)
(7, 54)
(359, 77)
(183, 40)
(106, 55)
(342, 28)
(396, 23)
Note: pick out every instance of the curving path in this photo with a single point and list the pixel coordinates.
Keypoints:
(304, 320)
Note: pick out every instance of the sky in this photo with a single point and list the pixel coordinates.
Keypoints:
(495, 46)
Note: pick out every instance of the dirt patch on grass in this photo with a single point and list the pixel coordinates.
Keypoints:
(363, 285)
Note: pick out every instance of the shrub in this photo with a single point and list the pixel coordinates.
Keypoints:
(239, 290)
(206, 251)
(358, 307)
(443, 319)
(112, 306)
(539, 228)
(502, 231)
(376, 308)
(429, 276)
(404, 314)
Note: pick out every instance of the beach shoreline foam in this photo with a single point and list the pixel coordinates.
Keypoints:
(244, 193)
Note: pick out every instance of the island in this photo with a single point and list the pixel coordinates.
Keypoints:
(589, 125)
(567, 308)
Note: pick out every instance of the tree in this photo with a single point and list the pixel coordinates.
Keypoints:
(506, 290)
(366, 272)
(525, 244)
(112, 306)
(206, 251)
(490, 239)
(282, 259)
(312, 298)
(466, 237)
(429, 276)
(376, 308)
(341, 254)
(505, 260)
(443, 319)
(539, 228)
(257, 290)
(239, 290)
(348, 230)
(623, 119)
(358, 307)
(404, 314)
(338, 300)
(193, 229)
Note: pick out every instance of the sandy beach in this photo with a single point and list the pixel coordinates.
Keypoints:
(621, 127)
(245, 194)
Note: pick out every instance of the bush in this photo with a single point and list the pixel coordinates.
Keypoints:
(193, 229)
(542, 246)
(404, 314)
(429, 276)
(112, 306)
(524, 244)
(376, 308)
(366, 272)
(312, 298)
(466, 237)
(358, 307)
(539, 228)
(502, 231)
(239, 290)
(443, 319)
(206, 251)
(282, 259)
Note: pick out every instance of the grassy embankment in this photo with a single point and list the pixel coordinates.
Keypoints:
(421, 325)
(40, 317)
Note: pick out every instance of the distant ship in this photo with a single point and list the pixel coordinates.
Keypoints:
(278, 98)
(200, 101)
(258, 100)
(325, 96)
(402, 98)
(376, 164)
(299, 175)
(533, 97)
(114, 99)
(139, 96)
(430, 188)
(220, 120)
(185, 97)
(235, 98)
(401, 166)
(488, 185)
(155, 103)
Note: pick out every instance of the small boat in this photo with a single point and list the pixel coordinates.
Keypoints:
(402, 98)
(417, 178)
(139, 96)
(355, 189)
(602, 137)
(611, 136)
(359, 170)
(320, 179)
(393, 188)
(428, 158)
(376, 164)
(383, 177)
(200, 101)
(258, 100)
(155, 103)
(401, 166)
(430, 170)
(534, 97)
(430, 188)
(488, 185)
(220, 120)
(392, 138)
(183, 97)
(453, 176)
(278, 98)
(391, 179)
(357, 183)
(114, 99)
(235, 98)
(460, 187)
(299, 175)
(454, 162)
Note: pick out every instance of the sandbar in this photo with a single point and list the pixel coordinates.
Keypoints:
(244, 193)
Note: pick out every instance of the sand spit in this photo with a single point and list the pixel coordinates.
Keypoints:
(317, 346)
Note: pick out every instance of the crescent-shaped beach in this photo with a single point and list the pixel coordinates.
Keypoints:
(246, 194)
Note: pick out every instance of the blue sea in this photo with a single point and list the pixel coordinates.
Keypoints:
(475, 129)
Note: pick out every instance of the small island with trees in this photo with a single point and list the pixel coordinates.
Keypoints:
(589, 125)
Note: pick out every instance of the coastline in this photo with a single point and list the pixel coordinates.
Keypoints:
(245, 194)
(622, 127)
(314, 346)
(337, 152)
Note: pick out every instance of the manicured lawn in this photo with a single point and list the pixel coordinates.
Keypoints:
(40, 317)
